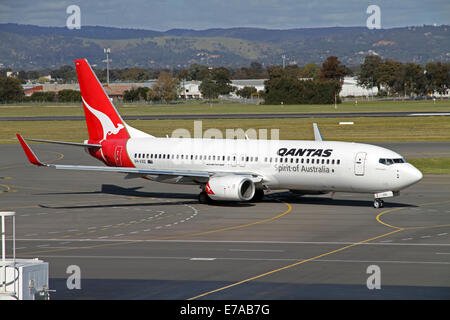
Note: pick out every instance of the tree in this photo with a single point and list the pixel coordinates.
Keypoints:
(208, 89)
(135, 74)
(68, 95)
(310, 70)
(64, 73)
(332, 70)
(195, 72)
(165, 87)
(10, 90)
(368, 76)
(136, 94)
(414, 80)
(222, 78)
(437, 77)
(246, 92)
(389, 74)
(284, 87)
(40, 96)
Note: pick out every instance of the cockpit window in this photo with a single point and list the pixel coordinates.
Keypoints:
(388, 162)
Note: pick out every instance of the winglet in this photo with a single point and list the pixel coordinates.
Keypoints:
(28, 152)
(317, 135)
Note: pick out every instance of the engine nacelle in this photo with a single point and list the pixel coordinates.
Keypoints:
(230, 188)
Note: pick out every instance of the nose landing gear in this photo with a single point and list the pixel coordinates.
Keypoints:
(378, 203)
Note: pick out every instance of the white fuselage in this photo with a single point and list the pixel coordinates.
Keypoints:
(283, 164)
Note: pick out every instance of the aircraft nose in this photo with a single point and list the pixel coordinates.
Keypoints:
(413, 175)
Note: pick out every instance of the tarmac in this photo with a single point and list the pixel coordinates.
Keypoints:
(135, 239)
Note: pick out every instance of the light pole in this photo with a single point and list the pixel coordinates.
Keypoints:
(107, 51)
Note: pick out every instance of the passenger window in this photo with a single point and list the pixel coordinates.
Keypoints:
(339, 162)
(332, 161)
(307, 160)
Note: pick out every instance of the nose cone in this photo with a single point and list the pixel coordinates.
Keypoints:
(411, 175)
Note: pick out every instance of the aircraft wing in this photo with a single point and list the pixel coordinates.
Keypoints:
(131, 171)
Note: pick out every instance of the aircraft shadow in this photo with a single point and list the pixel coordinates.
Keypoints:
(188, 198)
(327, 200)
(134, 192)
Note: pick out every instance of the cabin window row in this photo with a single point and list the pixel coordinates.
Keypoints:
(304, 160)
(233, 158)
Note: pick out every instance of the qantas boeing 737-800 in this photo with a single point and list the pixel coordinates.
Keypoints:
(232, 169)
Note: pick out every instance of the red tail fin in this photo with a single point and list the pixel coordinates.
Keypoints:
(103, 120)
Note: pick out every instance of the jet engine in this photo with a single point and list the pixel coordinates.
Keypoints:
(230, 188)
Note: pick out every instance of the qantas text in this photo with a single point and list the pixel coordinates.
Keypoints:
(305, 152)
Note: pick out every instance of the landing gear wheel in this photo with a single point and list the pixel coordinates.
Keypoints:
(203, 198)
(378, 203)
(258, 196)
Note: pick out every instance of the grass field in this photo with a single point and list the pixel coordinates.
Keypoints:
(75, 109)
(432, 165)
(364, 129)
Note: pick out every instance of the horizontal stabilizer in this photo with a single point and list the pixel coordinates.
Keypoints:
(29, 153)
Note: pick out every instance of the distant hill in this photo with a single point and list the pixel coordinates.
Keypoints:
(33, 47)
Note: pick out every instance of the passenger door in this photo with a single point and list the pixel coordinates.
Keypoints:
(360, 163)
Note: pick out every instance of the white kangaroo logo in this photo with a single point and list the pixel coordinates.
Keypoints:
(107, 125)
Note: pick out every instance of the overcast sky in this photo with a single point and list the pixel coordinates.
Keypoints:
(203, 14)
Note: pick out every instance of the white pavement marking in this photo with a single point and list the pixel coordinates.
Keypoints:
(429, 114)
(202, 259)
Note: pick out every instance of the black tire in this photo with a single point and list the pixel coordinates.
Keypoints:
(258, 196)
(377, 204)
(203, 198)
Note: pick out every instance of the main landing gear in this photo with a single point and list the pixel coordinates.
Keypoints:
(203, 198)
(258, 196)
(378, 203)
